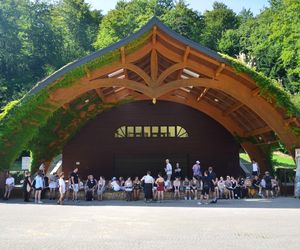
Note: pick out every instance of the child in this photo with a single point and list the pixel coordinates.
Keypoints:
(187, 188)
(62, 188)
(176, 185)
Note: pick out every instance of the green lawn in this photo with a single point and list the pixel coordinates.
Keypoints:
(279, 160)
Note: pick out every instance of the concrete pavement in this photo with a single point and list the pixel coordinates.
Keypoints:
(238, 224)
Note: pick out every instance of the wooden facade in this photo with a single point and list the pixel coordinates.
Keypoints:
(99, 152)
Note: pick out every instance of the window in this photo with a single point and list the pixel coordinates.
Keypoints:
(151, 132)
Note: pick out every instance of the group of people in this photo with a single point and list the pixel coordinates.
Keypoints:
(202, 186)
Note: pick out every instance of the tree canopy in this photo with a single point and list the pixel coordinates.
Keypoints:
(38, 37)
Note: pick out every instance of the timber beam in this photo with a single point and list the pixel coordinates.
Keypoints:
(233, 108)
(258, 131)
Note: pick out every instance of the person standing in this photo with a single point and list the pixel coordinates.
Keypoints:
(148, 184)
(75, 184)
(39, 185)
(9, 185)
(196, 170)
(168, 169)
(255, 168)
(160, 182)
(212, 176)
(27, 185)
(206, 188)
(62, 188)
(53, 182)
(177, 171)
(268, 187)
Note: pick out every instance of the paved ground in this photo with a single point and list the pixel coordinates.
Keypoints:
(243, 224)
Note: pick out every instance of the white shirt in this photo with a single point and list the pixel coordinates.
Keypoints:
(10, 181)
(168, 169)
(62, 185)
(255, 167)
(148, 179)
(115, 186)
(39, 183)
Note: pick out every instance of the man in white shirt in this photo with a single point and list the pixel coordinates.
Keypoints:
(255, 168)
(9, 185)
(148, 185)
(168, 169)
(115, 185)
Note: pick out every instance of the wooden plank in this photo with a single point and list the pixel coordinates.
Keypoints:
(202, 94)
(233, 108)
(219, 70)
(258, 131)
(154, 65)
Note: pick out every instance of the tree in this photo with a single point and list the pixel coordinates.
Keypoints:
(216, 21)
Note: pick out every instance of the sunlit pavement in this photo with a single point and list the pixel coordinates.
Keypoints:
(238, 224)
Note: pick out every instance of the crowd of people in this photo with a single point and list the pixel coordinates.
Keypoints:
(203, 185)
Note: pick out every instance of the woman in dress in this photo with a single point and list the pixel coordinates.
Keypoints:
(100, 188)
(136, 188)
(39, 185)
(53, 184)
(229, 188)
(176, 185)
(160, 182)
(221, 188)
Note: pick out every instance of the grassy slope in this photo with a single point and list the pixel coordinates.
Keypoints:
(279, 160)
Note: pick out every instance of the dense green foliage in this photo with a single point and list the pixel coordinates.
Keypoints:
(38, 37)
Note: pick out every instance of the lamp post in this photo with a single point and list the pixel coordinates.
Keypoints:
(297, 178)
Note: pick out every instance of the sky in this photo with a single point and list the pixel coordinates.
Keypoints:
(201, 5)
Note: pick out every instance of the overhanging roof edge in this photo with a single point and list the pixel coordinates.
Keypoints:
(152, 22)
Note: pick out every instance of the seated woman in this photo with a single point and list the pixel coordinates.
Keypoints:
(229, 189)
(248, 187)
(91, 187)
(194, 187)
(176, 185)
(101, 188)
(128, 185)
(122, 183)
(168, 186)
(9, 185)
(187, 188)
(221, 188)
(137, 186)
(275, 186)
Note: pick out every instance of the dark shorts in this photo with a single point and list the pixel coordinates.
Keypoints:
(269, 187)
(38, 189)
(205, 191)
(254, 173)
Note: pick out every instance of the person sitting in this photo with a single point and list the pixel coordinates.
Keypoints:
(115, 186)
(257, 185)
(248, 187)
(137, 186)
(228, 188)
(235, 188)
(128, 189)
(242, 188)
(176, 185)
(187, 188)
(91, 187)
(194, 187)
(101, 188)
(122, 183)
(9, 185)
(221, 187)
(168, 186)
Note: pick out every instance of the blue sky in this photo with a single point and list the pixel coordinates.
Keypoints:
(200, 5)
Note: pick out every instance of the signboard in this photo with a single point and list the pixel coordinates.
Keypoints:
(297, 178)
(26, 163)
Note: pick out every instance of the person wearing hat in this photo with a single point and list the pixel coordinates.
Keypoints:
(197, 170)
